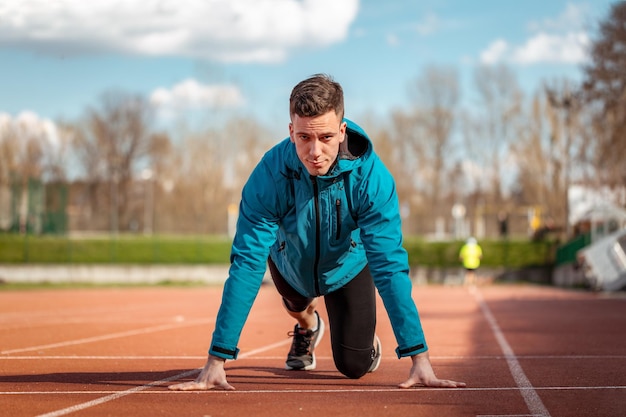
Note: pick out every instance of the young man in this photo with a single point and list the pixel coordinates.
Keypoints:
(322, 211)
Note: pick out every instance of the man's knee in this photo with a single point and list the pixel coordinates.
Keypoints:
(300, 306)
(353, 363)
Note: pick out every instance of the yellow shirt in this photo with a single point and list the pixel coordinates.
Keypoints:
(470, 255)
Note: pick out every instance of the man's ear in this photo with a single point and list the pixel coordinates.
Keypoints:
(291, 133)
(343, 129)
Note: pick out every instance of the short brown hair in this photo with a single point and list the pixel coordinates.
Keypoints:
(315, 96)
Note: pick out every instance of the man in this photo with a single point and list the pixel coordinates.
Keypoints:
(322, 211)
(470, 255)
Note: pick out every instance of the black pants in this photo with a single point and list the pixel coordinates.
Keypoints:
(351, 315)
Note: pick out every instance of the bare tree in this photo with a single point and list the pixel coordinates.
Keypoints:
(114, 138)
(427, 130)
(210, 170)
(389, 148)
(23, 141)
(8, 148)
(547, 149)
(497, 112)
(57, 150)
(437, 94)
(564, 102)
(605, 91)
(245, 141)
(199, 190)
(410, 167)
(532, 156)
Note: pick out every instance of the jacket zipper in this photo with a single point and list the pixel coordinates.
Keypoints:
(338, 213)
(317, 237)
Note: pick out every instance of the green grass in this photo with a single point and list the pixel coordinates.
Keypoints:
(121, 250)
(133, 249)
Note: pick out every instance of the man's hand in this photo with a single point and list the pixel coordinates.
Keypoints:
(212, 376)
(422, 374)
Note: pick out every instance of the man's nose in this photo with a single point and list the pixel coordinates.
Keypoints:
(316, 148)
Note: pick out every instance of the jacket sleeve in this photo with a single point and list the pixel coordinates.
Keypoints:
(256, 232)
(379, 220)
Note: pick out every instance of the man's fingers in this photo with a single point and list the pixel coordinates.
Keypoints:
(437, 383)
(445, 383)
(226, 386)
(189, 386)
(198, 386)
(408, 383)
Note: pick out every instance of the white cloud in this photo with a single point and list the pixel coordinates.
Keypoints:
(234, 30)
(553, 40)
(495, 52)
(29, 125)
(573, 16)
(192, 95)
(569, 49)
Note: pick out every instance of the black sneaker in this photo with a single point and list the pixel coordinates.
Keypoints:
(376, 354)
(301, 356)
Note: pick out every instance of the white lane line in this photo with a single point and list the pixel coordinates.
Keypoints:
(273, 358)
(508, 415)
(533, 402)
(265, 348)
(117, 395)
(114, 396)
(105, 358)
(109, 336)
(306, 391)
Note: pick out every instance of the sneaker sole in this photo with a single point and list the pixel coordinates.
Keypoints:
(313, 364)
(378, 357)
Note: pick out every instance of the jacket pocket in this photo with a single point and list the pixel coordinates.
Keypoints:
(338, 214)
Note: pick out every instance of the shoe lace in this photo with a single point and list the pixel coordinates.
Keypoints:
(301, 342)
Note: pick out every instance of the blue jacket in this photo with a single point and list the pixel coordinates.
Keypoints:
(320, 232)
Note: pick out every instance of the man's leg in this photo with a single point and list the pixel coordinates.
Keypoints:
(352, 318)
(308, 333)
(307, 319)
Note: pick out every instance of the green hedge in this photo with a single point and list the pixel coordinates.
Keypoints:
(496, 253)
(132, 249)
(121, 250)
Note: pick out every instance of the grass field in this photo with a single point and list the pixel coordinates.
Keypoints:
(138, 249)
(122, 249)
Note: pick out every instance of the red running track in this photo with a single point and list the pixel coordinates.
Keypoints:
(523, 351)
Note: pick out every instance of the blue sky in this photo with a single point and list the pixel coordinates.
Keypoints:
(244, 56)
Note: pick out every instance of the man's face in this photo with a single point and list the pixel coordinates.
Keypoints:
(317, 140)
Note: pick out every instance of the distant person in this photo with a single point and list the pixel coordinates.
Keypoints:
(503, 224)
(470, 256)
(321, 210)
